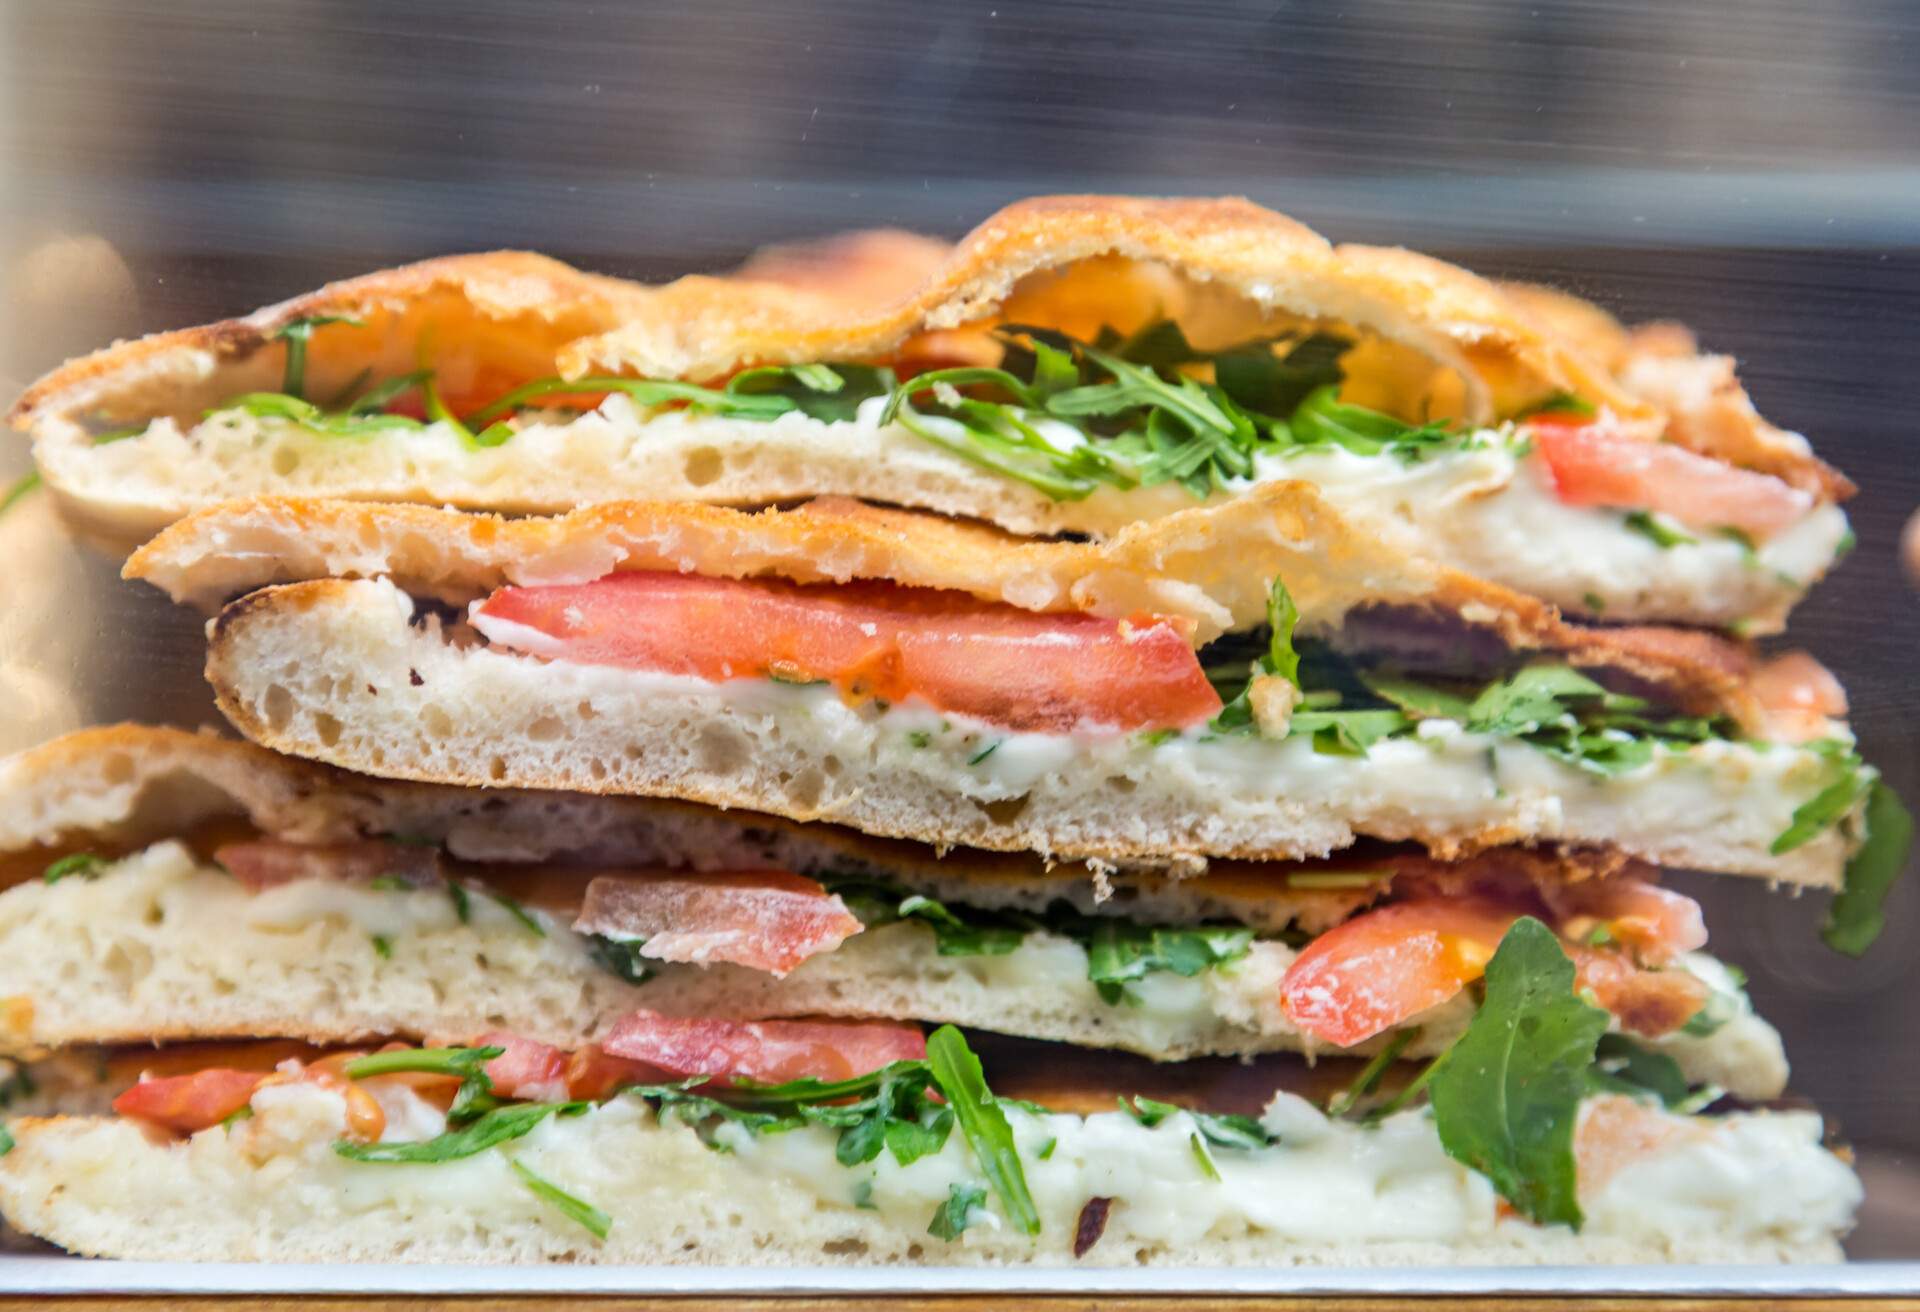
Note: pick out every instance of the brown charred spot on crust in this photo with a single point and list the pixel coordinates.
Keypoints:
(1092, 1224)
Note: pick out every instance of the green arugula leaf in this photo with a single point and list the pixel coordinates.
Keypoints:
(957, 1071)
(1418, 700)
(464, 1062)
(383, 947)
(1622, 1065)
(574, 1209)
(356, 426)
(6, 1141)
(462, 903)
(18, 492)
(1826, 808)
(1657, 527)
(1857, 913)
(1122, 951)
(1322, 419)
(490, 1129)
(375, 399)
(518, 912)
(296, 334)
(1346, 733)
(1280, 658)
(1506, 1095)
(644, 393)
(1370, 1074)
(829, 393)
(952, 1216)
(85, 865)
(1260, 381)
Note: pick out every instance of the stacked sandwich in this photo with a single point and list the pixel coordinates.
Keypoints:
(1142, 737)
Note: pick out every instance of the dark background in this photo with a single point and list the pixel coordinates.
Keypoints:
(1752, 168)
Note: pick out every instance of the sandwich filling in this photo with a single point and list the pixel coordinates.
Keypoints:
(1391, 962)
(874, 1117)
(1069, 436)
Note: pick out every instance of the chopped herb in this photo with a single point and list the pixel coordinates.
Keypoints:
(957, 1071)
(1223, 1131)
(383, 946)
(463, 1062)
(296, 334)
(1659, 529)
(985, 752)
(1122, 951)
(621, 957)
(1506, 1095)
(18, 492)
(574, 1209)
(390, 884)
(1046, 1149)
(83, 864)
(462, 904)
(1595, 602)
(1848, 541)
(491, 1128)
(920, 738)
(518, 912)
(863, 1195)
(6, 1141)
(234, 1117)
(1600, 936)
(1857, 913)
(954, 1215)
(1202, 1156)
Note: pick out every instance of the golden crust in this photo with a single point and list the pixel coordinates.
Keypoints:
(873, 266)
(1195, 249)
(548, 301)
(1707, 408)
(1210, 565)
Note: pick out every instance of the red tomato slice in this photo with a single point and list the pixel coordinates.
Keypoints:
(266, 863)
(187, 1103)
(1590, 467)
(1656, 923)
(765, 920)
(1008, 666)
(767, 1051)
(594, 1074)
(1799, 695)
(1383, 967)
(527, 1069)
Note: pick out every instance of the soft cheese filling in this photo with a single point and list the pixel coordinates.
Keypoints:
(1087, 438)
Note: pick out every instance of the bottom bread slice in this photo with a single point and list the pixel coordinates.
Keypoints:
(615, 1184)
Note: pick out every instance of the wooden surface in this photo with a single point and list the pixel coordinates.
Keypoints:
(973, 1303)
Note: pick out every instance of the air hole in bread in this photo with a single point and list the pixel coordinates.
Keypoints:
(832, 766)
(546, 729)
(1005, 811)
(497, 769)
(585, 710)
(721, 749)
(845, 1248)
(327, 728)
(277, 706)
(1120, 783)
(806, 788)
(703, 466)
(597, 768)
(438, 723)
(285, 461)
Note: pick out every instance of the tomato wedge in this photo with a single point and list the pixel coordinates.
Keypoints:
(189, 1103)
(527, 1069)
(266, 863)
(1011, 667)
(1656, 923)
(1382, 967)
(766, 1051)
(1588, 466)
(765, 919)
(594, 1074)
(1648, 1002)
(1799, 696)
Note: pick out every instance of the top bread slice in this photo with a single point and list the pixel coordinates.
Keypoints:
(1435, 341)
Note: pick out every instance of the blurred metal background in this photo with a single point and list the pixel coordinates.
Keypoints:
(1750, 167)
